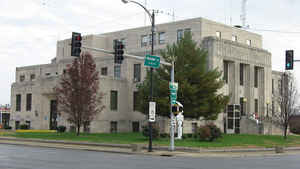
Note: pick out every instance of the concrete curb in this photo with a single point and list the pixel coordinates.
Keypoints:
(144, 147)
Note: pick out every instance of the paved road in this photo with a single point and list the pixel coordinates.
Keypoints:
(19, 157)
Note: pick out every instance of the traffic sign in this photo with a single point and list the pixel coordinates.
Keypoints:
(152, 61)
(152, 106)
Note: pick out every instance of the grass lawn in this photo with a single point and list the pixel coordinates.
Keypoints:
(241, 140)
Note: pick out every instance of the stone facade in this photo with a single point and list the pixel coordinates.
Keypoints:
(246, 67)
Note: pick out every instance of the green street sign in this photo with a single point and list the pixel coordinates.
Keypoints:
(173, 101)
(173, 95)
(152, 61)
(173, 86)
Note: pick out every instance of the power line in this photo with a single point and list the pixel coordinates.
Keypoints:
(276, 31)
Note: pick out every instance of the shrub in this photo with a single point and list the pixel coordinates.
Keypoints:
(7, 127)
(61, 129)
(163, 135)
(24, 127)
(155, 131)
(209, 132)
(295, 129)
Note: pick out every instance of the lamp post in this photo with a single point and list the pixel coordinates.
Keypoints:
(152, 17)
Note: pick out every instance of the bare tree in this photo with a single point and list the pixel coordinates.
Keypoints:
(78, 93)
(286, 98)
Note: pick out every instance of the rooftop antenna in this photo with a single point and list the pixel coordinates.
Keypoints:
(244, 14)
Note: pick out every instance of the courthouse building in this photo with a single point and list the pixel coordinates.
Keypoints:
(239, 54)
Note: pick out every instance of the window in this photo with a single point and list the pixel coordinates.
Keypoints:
(137, 73)
(150, 39)
(162, 37)
(113, 100)
(28, 124)
(32, 77)
(135, 101)
(64, 71)
(218, 34)
(144, 40)
(113, 126)
(179, 34)
(18, 102)
(117, 71)
(241, 74)
(234, 38)
(22, 78)
(28, 101)
(135, 126)
(256, 105)
(248, 42)
(225, 71)
(17, 125)
(255, 76)
(104, 71)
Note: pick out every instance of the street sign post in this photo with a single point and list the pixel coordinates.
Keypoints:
(152, 106)
(152, 61)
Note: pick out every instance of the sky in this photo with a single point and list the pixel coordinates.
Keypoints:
(30, 29)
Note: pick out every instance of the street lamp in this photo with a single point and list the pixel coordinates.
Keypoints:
(152, 17)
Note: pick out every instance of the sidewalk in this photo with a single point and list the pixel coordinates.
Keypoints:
(157, 150)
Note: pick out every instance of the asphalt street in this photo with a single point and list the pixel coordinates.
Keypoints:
(23, 157)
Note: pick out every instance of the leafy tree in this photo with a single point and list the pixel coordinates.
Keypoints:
(286, 98)
(78, 93)
(198, 86)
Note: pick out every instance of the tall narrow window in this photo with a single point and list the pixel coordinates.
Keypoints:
(225, 71)
(135, 101)
(234, 38)
(137, 72)
(28, 101)
(218, 34)
(162, 38)
(241, 74)
(144, 40)
(18, 102)
(22, 78)
(179, 34)
(32, 77)
(114, 100)
(248, 41)
(187, 30)
(117, 71)
(255, 76)
(104, 71)
(256, 105)
(113, 126)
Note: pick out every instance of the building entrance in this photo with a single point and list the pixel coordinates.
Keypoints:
(233, 119)
(53, 115)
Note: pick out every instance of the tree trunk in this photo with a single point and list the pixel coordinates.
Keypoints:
(285, 131)
(78, 129)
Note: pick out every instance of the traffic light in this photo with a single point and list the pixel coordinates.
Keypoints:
(76, 44)
(289, 60)
(119, 51)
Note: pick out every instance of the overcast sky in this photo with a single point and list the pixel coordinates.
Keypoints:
(30, 28)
